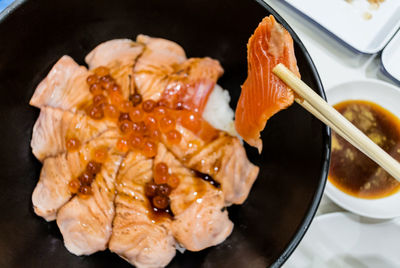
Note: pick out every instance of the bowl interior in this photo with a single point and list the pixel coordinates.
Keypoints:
(293, 164)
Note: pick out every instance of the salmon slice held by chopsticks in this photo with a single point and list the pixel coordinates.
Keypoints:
(264, 94)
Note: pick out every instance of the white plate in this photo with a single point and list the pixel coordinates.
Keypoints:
(345, 240)
(387, 96)
(346, 21)
(391, 58)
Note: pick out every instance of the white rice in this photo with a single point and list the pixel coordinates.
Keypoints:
(218, 112)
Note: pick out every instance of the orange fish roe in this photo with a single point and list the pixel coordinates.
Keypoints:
(122, 144)
(149, 148)
(174, 136)
(190, 120)
(100, 154)
(159, 189)
(141, 122)
(72, 144)
(173, 181)
(136, 114)
(83, 184)
(110, 111)
(161, 169)
(74, 185)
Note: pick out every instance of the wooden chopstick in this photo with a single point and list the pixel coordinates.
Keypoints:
(328, 115)
(324, 120)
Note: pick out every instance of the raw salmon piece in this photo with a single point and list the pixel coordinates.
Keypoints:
(54, 127)
(264, 94)
(86, 222)
(199, 221)
(193, 82)
(163, 71)
(188, 145)
(136, 237)
(120, 56)
(225, 160)
(64, 87)
(52, 190)
(153, 68)
(114, 54)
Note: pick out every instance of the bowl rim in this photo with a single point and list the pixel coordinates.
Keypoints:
(326, 134)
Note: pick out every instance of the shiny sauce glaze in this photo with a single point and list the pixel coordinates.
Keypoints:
(207, 178)
(353, 172)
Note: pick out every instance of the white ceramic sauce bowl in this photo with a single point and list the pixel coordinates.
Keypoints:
(387, 96)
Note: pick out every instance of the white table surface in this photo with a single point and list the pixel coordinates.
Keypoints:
(335, 63)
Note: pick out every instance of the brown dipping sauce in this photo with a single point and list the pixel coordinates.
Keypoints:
(353, 172)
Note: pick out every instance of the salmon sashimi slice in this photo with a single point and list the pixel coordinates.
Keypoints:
(136, 237)
(225, 160)
(160, 58)
(264, 94)
(85, 222)
(193, 82)
(187, 146)
(114, 54)
(120, 56)
(200, 220)
(52, 190)
(64, 87)
(55, 127)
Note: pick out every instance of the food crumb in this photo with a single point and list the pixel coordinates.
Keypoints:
(336, 144)
(349, 154)
(367, 186)
(367, 16)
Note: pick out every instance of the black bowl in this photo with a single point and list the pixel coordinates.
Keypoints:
(294, 162)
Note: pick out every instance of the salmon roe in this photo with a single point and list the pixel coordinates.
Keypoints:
(100, 154)
(136, 99)
(161, 169)
(149, 149)
(148, 106)
(110, 111)
(190, 120)
(142, 123)
(72, 144)
(159, 189)
(167, 123)
(83, 184)
(135, 114)
(174, 136)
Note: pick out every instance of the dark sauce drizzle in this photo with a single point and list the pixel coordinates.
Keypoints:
(207, 178)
